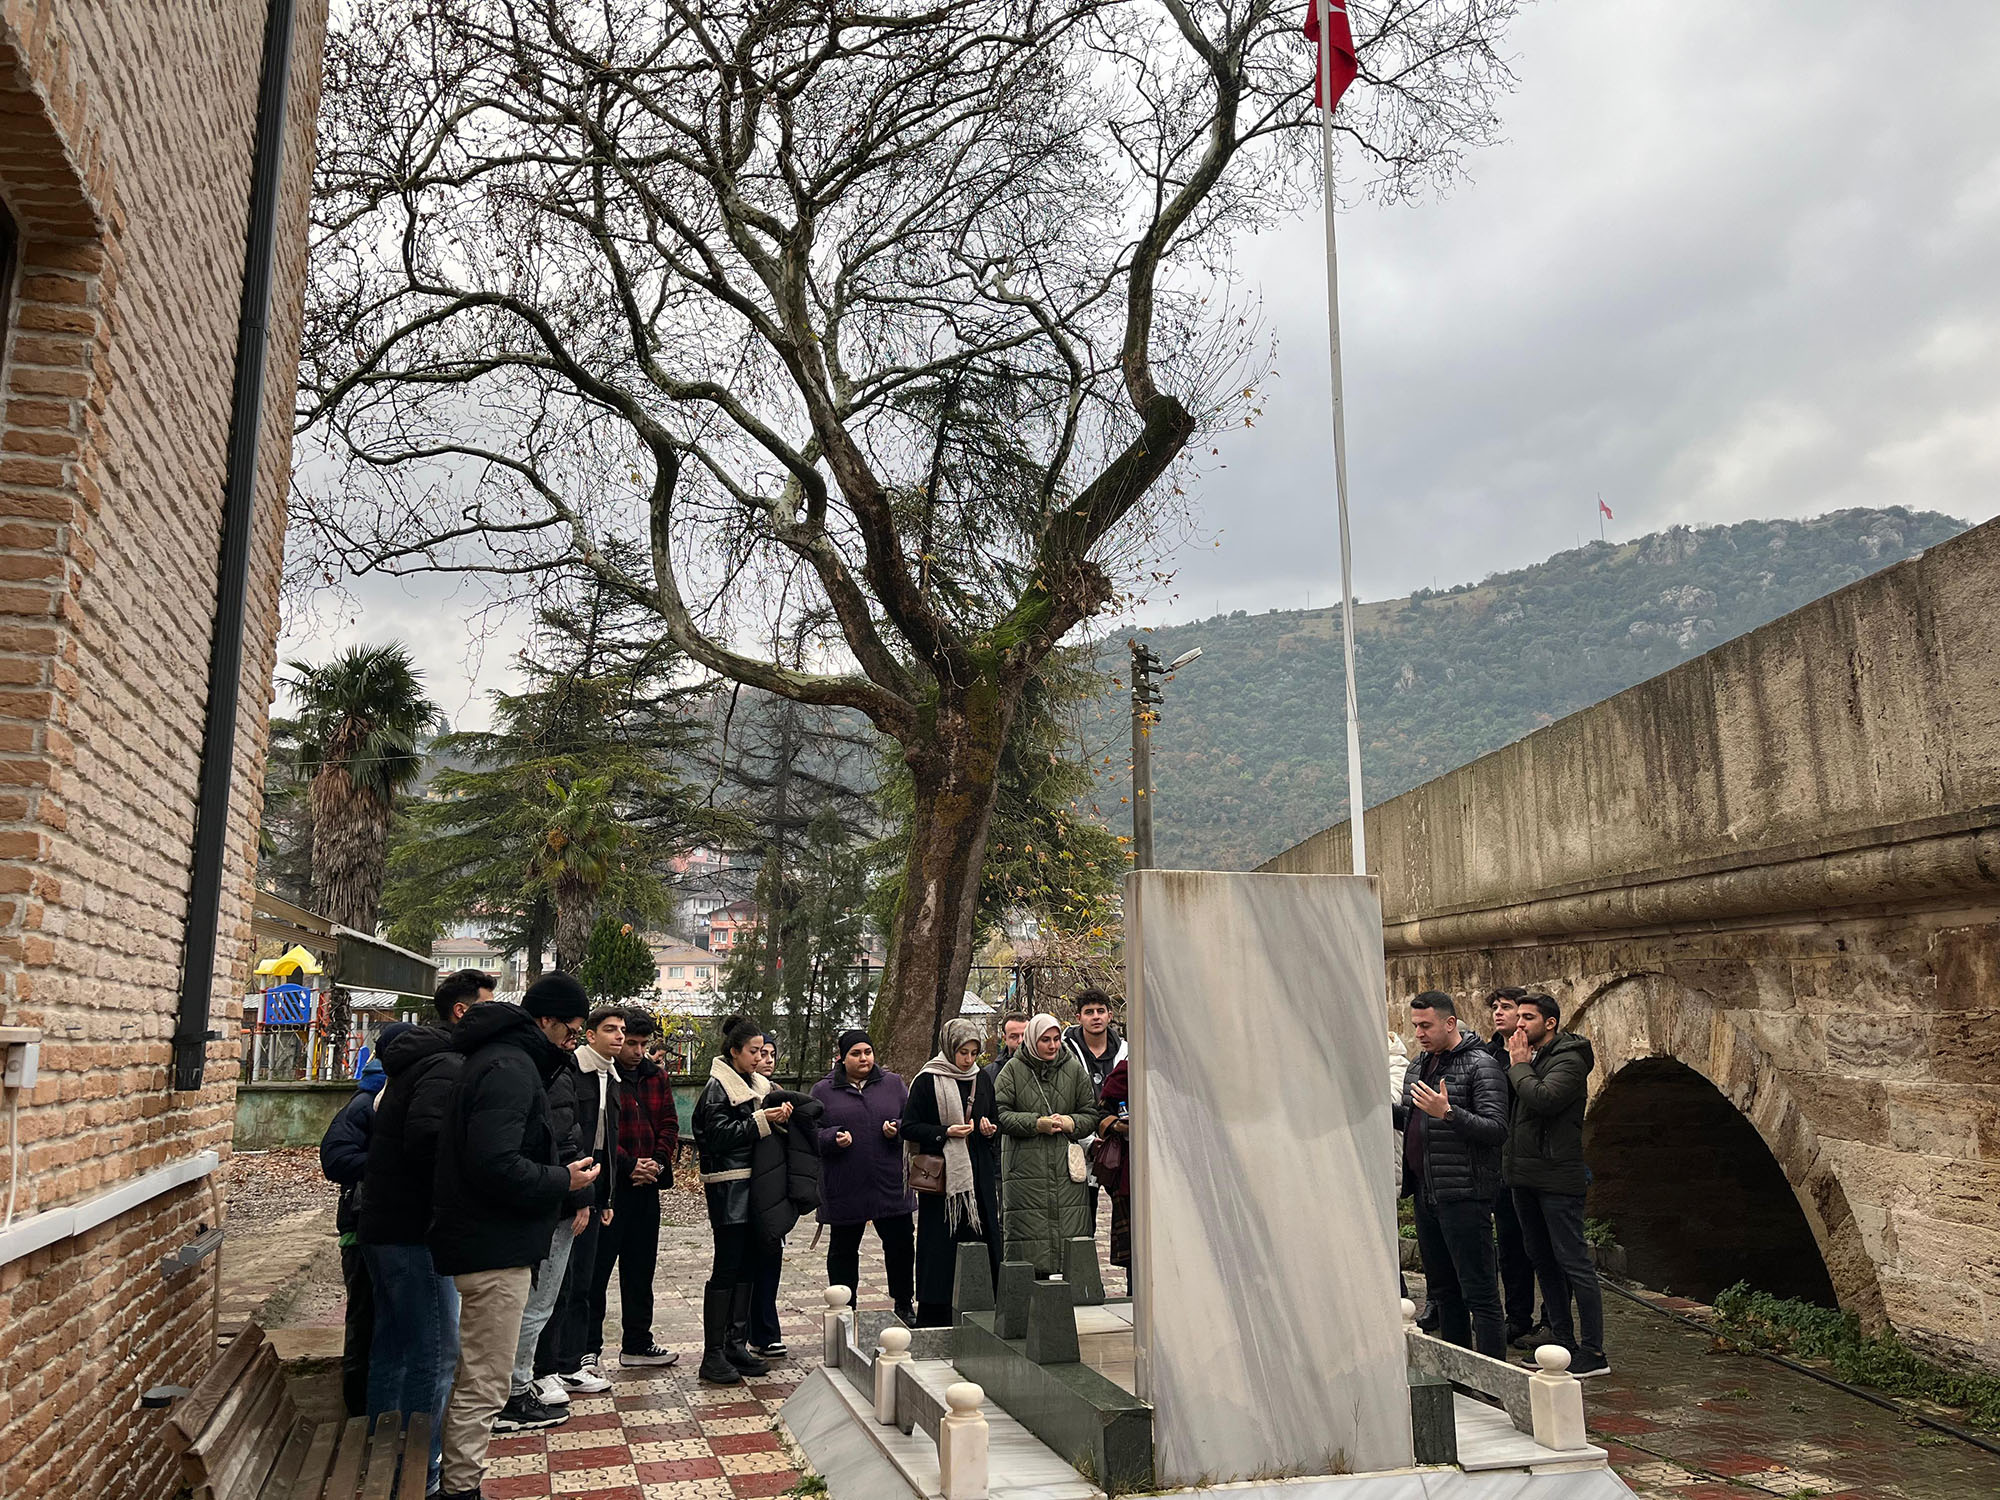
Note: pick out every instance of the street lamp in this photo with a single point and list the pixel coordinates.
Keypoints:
(1145, 701)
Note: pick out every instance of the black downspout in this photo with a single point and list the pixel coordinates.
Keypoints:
(239, 513)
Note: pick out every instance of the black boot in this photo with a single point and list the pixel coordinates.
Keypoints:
(716, 1368)
(737, 1347)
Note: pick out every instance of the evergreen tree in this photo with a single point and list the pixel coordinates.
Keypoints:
(617, 965)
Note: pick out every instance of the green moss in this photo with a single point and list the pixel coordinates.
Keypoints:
(1757, 1320)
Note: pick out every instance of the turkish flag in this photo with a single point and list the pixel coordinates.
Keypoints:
(1344, 68)
(1605, 508)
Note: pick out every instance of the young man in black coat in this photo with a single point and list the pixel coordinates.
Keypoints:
(499, 1188)
(1517, 1271)
(343, 1160)
(1549, 1071)
(414, 1346)
(571, 1344)
(1453, 1118)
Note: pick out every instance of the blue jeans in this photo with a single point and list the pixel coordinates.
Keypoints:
(415, 1347)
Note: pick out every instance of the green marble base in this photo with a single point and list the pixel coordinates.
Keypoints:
(972, 1281)
(1105, 1431)
(1433, 1426)
(1017, 1280)
(1081, 1271)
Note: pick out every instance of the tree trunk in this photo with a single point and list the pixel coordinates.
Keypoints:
(576, 912)
(350, 852)
(956, 779)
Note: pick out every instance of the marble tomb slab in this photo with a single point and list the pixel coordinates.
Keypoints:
(1267, 1333)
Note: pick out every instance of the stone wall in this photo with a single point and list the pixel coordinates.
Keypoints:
(1778, 864)
(129, 132)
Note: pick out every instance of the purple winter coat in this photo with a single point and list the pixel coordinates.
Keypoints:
(863, 1181)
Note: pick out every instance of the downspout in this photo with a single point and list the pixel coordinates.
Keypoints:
(239, 513)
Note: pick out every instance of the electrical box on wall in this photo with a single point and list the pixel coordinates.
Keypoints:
(22, 1046)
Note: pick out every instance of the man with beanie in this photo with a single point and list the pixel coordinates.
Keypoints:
(649, 1133)
(499, 1187)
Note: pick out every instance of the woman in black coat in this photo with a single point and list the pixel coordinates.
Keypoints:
(730, 1118)
(968, 1210)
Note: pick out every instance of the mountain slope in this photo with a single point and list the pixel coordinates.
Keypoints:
(1250, 756)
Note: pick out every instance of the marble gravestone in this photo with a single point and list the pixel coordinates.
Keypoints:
(1266, 1325)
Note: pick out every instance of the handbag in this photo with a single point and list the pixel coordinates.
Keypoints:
(1079, 1164)
(926, 1172)
(1109, 1155)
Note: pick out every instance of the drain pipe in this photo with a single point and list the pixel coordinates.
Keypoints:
(239, 513)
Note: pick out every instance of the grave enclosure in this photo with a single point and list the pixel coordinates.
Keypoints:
(1266, 1345)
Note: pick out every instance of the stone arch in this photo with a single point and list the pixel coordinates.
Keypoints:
(1633, 1019)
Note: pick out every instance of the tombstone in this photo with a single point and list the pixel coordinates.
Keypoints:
(1010, 1315)
(1263, 1211)
(1052, 1324)
(1080, 1270)
(972, 1281)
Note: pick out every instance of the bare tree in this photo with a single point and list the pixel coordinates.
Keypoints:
(883, 327)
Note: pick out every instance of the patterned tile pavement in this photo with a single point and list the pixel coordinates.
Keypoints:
(1680, 1419)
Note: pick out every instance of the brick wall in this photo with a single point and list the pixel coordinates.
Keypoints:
(129, 127)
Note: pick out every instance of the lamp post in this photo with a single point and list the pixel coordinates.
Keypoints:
(1145, 701)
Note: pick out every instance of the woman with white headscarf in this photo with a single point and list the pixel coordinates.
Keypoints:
(1047, 1109)
(958, 1194)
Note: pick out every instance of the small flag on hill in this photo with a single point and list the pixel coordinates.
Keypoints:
(1344, 68)
(1605, 509)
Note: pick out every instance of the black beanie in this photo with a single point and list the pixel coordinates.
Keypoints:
(847, 1041)
(556, 997)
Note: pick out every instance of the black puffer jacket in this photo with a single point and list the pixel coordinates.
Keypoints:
(1545, 1138)
(785, 1166)
(728, 1123)
(1462, 1150)
(499, 1183)
(422, 1066)
(573, 1110)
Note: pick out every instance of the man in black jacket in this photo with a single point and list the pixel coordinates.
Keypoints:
(1453, 1118)
(499, 1188)
(414, 1347)
(343, 1159)
(1517, 1271)
(571, 1344)
(1550, 1074)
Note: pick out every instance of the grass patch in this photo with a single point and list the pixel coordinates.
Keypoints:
(1757, 1320)
(1599, 1234)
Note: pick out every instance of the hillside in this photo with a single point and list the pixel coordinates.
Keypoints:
(1251, 755)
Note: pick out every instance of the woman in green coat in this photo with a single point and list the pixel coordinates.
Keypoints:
(1045, 1103)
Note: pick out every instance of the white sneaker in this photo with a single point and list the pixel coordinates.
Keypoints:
(550, 1391)
(586, 1381)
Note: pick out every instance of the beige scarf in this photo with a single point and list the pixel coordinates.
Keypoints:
(961, 1198)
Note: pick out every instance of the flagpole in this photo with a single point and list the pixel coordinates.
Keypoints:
(1357, 829)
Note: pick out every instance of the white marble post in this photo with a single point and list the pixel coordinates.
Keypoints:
(1263, 1203)
(962, 1443)
(835, 1329)
(1555, 1400)
(895, 1351)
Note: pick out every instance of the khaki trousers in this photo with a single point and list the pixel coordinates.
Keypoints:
(489, 1327)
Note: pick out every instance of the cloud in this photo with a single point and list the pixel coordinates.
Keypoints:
(1733, 260)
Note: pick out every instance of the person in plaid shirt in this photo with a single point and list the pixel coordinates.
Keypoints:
(649, 1133)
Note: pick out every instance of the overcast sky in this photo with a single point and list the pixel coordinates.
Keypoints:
(1735, 258)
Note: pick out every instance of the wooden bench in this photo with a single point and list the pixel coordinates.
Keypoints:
(240, 1438)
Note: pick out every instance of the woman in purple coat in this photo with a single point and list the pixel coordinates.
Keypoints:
(862, 1180)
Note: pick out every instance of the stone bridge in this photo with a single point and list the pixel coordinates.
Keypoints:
(1766, 885)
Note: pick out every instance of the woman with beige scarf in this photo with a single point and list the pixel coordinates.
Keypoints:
(951, 1104)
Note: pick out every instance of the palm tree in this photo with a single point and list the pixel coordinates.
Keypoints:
(360, 718)
(582, 848)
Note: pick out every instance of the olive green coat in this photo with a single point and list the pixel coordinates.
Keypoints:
(1040, 1206)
